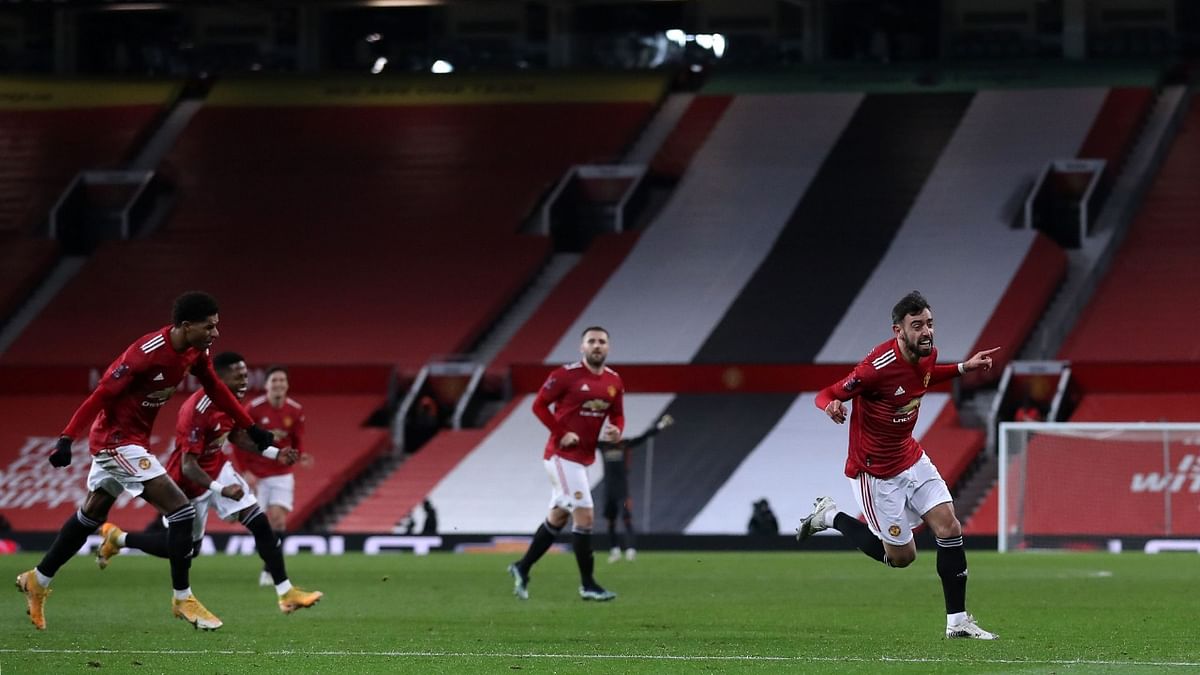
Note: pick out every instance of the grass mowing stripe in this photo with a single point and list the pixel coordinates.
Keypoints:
(731, 612)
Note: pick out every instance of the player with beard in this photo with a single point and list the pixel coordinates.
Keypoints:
(895, 484)
(583, 394)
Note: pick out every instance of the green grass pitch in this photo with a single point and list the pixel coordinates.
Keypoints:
(677, 612)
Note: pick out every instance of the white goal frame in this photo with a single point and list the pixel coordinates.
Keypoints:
(1002, 543)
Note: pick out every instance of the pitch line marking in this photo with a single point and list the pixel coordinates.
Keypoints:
(635, 657)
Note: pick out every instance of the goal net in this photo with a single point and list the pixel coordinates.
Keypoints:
(1086, 484)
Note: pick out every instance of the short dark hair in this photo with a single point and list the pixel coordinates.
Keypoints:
(913, 303)
(226, 360)
(589, 329)
(193, 306)
(271, 370)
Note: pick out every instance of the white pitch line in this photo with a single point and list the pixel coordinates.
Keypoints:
(633, 657)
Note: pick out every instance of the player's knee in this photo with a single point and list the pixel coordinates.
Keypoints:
(558, 517)
(948, 530)
(583, 518)
(901, 558)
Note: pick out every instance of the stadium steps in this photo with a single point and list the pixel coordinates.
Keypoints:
(354, 492)
(1088, 264)
(391, 493)
(1158, 255)
(26, 299)
(562, 305)
(692, 130)
(661, 126)
(558, 266)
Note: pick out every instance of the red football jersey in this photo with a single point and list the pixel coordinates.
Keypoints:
(201, 430)
(887, 392)
(138, 383)
(285, 422)
(582, 400)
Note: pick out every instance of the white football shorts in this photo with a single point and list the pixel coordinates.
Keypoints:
(570, 488)
(226, 508)
(277, 491)
(894, 506)
(123, 468)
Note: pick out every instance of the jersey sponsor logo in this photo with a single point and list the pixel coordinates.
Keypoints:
(595, 405)
(157, 399)
(883, 360)
(120, 371)
(153, 343)
(894, 530)
(907, 412)
(899, 391)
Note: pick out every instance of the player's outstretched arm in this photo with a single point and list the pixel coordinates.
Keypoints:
(982, 360)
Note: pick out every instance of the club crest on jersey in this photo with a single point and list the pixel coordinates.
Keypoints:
(287, 421)
(612, 391)
(578, 495)
(144, 463)
(894, 530)
(926, 379)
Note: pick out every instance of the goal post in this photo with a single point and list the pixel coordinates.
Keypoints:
(1080, 484)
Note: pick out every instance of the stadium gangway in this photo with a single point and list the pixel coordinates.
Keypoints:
(472, 370)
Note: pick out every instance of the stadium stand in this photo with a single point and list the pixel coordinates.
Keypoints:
(353, 182)
(24, 260)
(501, 485)
(801, 458)
(34, 497)
(558, 311)
(406, 487)
(1024, 280)
(49, 131)
(1153, 269)
(960, 224)
(720, 223)
(676, 153)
